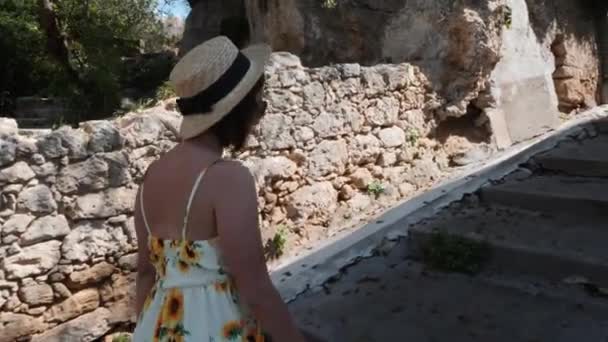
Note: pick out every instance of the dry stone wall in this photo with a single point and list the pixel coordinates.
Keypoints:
(68, 245)
(337, 145)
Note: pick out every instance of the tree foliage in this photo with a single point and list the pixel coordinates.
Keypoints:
(75, 48)
(22, 46)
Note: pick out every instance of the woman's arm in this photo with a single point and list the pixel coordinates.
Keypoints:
(235, 204)
(146, 275)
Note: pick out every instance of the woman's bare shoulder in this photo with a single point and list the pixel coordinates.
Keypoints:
(231, 167)
(233, 188)
(231, 174)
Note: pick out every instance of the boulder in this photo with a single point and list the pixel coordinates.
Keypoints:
(111, 202)
(329, 156)
(90, 276)
(93, 239)
(37, 199)
(275, 131)
(140, 130)
(8, 150)
(64, 142)
(104, 136)
(86, 328)
(383, 112)
(362, 178)
(329, 125)
(16, 224)
(33, 260)
(317, 201)
(364, 149)
(95, 173)
(392, 137)
(19, 172)
(76, 305)
(44, 229)
(15, 326)
(36, 294)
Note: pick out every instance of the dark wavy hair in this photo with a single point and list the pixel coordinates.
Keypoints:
(234, 128)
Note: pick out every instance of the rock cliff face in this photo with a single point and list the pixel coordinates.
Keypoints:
(456, 44)
(208, 18)
(568, 31)
(469, 50)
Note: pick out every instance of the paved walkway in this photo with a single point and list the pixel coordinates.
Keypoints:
(545, 279)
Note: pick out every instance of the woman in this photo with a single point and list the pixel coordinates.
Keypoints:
(205, 277)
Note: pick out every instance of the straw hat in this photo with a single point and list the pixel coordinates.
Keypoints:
(212, 79)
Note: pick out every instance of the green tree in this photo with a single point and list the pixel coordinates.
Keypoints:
(75, 48)
(22, 46)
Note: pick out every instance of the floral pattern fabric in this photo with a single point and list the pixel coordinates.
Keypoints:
(193, 298)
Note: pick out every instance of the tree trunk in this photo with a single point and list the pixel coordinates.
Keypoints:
(602, 30)
(56, 42)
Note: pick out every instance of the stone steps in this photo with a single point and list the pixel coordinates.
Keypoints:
(579, 195)
(544, 276)
(389, 298)
(552, 246)
(587, 158)
(552, 226)
(601, 125)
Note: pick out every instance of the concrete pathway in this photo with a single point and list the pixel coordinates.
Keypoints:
(394, 299)
(544, 278)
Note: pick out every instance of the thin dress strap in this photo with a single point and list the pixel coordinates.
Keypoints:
(191, 198)
(143, 211)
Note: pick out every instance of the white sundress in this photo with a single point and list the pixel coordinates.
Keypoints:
(193, 298)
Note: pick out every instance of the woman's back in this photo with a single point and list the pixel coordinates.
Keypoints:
(201, 273)
(169, 182)
(191, 278)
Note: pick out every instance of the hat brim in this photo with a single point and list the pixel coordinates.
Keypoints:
(196, 124)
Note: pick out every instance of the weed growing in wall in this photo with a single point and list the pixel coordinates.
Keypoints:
(164, 91)
(376, 188)
(122, 338)
(412, 136)
(275, 247)
(329, 3)
(508, 17)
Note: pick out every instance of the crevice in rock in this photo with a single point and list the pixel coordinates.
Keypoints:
(472, 126)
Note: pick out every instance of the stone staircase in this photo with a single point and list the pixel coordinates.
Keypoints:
(538, 241)
(549, 218)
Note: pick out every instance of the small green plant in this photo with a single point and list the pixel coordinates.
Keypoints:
(412, 136)
(508, 17)
(329, 3)
(122, 338)
(58, 122)
(142, 104)
(275, 247)
(164, 91)
(376, 188)
(455, 254)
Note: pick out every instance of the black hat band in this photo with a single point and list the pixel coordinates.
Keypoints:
(204, 101)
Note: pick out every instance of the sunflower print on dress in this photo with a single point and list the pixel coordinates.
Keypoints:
(232, 330)
(157, 256)
(170, 322)
(189, 255)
